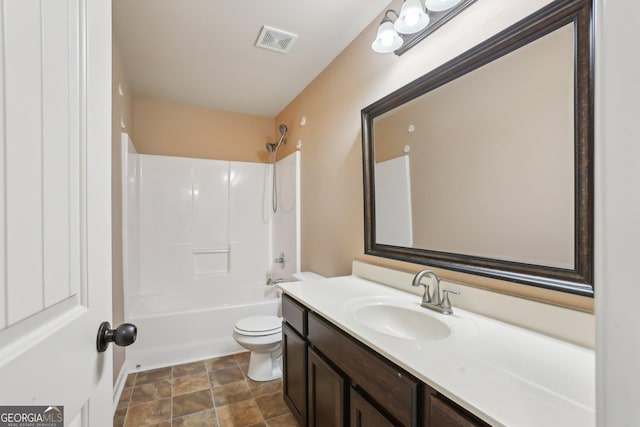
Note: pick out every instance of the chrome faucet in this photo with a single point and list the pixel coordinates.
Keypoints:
(271, 282)
(434, 300)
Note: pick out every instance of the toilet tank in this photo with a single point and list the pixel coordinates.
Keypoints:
(307, 275)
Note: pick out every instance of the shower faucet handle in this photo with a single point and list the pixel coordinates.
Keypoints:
(271, 281)
(280, 260)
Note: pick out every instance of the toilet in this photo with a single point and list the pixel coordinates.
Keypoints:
(262, 336)
(304, 276)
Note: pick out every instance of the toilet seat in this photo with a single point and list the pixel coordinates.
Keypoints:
(256, 326)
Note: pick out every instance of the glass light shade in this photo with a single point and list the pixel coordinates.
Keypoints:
(387, 39)
(412, 18)
(440, 5)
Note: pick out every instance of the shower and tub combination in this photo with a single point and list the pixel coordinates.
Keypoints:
(200, 238)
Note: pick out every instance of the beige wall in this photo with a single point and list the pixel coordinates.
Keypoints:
(122, 108)
(331, 156)
(173, 129)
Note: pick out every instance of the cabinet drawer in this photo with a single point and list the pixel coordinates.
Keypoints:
(295, 314)
(390, 387)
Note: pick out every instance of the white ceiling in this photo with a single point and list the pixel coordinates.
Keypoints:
(202, 52)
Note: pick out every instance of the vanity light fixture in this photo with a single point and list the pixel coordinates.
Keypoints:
(414, 19)
(440, 5)
(387, 38)
(411, 19)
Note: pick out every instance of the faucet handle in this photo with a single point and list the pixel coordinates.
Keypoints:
(426, 297)
(280, 260)
(446, 304)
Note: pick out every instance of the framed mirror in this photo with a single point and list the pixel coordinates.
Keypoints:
(485, 164)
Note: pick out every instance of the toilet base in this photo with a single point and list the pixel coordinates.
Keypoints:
(264, 367)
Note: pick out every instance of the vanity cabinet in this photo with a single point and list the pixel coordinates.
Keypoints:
(326, 393)
(391, 388)
(331, 379)
(294, 358)
(294, 372)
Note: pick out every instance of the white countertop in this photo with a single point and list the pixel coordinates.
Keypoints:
(504, 374)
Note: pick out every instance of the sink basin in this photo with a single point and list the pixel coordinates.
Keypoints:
(401, 322)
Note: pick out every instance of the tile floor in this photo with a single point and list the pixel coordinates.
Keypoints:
(209, 393)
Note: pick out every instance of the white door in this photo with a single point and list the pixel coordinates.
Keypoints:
(55, 250)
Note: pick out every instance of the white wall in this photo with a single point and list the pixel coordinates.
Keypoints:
(617, 213)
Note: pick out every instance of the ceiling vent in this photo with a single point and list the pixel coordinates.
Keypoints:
(274, 39)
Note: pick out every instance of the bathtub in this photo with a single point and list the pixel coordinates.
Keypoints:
(182, 328)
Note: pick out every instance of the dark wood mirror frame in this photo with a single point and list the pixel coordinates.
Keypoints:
(578, 280)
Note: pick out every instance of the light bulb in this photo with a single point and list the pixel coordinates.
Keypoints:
(440, 5)
(386, 38)
(411, 18)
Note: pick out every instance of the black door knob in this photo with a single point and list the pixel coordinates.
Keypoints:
(123, 335)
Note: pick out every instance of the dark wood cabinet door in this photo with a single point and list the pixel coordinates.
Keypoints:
(391, 388)
(294, 373)
(326, 394)
(444, 414)
(363, 414)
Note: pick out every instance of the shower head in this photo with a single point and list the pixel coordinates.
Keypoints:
(282, 139)
(283, 132)
(272, 148)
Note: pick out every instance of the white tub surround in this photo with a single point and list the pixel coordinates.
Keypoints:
(504, 374)
(130, 220)
(286, 221)
(200, 242)
(202, 223)
(196, 224)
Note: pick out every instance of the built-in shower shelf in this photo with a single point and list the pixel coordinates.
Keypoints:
(211, 251)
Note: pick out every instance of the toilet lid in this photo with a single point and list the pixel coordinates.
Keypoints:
(259, 325)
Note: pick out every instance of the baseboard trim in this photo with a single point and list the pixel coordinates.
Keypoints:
(118, 387)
